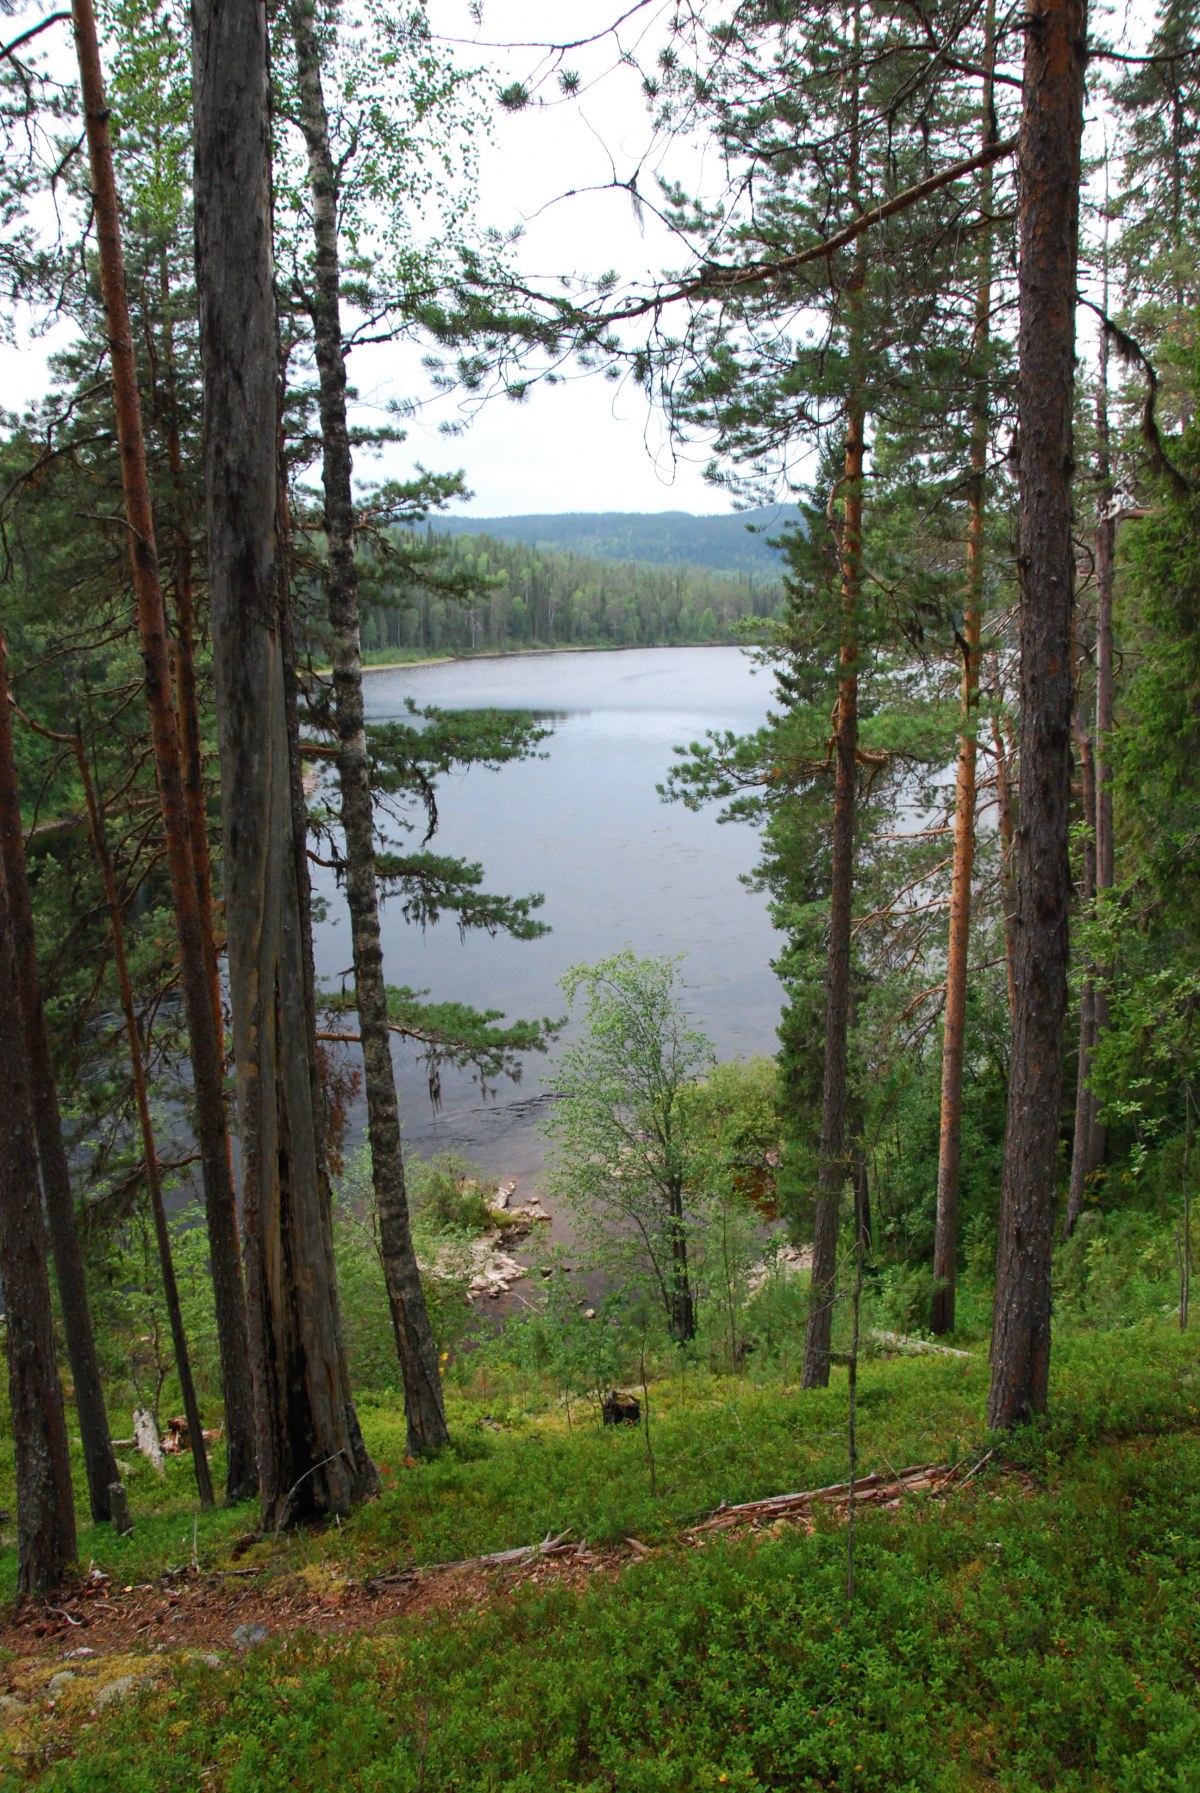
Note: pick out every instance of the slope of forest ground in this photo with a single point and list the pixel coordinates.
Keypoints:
(1032, 1622)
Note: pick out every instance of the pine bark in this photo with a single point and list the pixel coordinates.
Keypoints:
(311, 1458)
(195, 972)
(415, 1346)
(945, 1246)
(99, 1460)
(1048, 227)
(45, 1505)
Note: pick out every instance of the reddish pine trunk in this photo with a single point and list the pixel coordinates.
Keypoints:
(1048, 223)
(195, 972)
(45, 1506)
(99, 1461)
(945, 1247)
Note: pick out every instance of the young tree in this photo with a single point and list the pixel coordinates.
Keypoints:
(623, 1156)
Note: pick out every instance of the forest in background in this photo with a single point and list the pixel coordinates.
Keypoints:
(526, 596)
(982, 1118)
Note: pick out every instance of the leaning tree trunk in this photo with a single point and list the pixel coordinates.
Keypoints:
(945, 1246)
(1048, 226)
(415, 1345)
(311, 1458)
(195, 968)
(99, 1461)
(45, 1505)
(834, 1164)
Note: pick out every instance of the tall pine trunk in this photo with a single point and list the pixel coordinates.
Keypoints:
(834, 1163)
(99, 1460)
(945, 1246)
(1048, 227)
(1082, 1145)
(415, 1345)
(45, 1504)
(311, 1457)
(195, 970)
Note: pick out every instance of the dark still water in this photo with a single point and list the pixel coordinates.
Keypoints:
(617, 866)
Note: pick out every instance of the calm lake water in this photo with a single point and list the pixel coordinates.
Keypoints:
(617, 866)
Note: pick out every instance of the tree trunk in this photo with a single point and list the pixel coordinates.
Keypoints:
(195, 976)
(183, 1366)
(1106, 541)
(415, 1345)
(945, 1247)
(834, 1165)
(45, 1506)
(1048, 225)
(1006, 828)
(1082, 1144)
(311, 1459)
(99, 1461)
(681, 1310)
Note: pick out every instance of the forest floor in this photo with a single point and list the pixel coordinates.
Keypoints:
(1027, 1617)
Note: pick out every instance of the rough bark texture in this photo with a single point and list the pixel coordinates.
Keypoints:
(415, 1344)
(45, 1507)
(1051, 125)
(310, 1452)
(195, 972)
(99, 1461)
(183, 1367)
(945, 1246)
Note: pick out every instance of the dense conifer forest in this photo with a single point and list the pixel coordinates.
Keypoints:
(849, 1437)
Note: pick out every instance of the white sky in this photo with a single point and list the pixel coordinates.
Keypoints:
(583, 444)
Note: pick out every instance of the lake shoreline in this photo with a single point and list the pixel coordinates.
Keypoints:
(538, 652)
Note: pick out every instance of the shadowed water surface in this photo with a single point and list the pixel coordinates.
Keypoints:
(617, 866)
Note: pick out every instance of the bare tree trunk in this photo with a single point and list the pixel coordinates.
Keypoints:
(682, 1305)
(1082, 1149)
(45, 1505)
(1048, 225)
(195, 973)
(834, 1164)
(945, 1247)
(1007, 831)
(183, 1365)
(311, 1458)
(99, 1461)
(1106, 540)
(415, 1345)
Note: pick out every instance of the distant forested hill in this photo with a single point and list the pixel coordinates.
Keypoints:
(734, 543)
(482, 593)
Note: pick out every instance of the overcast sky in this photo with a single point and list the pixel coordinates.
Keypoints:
(583, 444)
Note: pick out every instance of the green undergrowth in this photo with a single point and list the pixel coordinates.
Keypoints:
(1016, 1635)
(1037, 1628)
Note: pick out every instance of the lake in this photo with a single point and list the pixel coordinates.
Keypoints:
(617, 866)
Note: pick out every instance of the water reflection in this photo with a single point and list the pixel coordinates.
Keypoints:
(583, 825)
